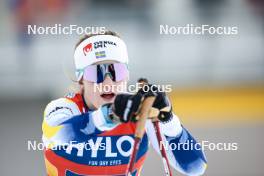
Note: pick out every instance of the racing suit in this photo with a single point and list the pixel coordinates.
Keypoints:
(79, 141)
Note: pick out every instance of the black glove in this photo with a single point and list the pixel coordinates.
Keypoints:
(126, 106)
(162, 102)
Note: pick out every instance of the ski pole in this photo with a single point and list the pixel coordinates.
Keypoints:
(162, 149)
(165, 160)
(140, 130)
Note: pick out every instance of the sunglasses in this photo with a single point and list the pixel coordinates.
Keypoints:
(98, 73)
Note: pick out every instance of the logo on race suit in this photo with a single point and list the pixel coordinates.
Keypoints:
(60, 109)
(100, 54)
(96, 151)
(100, 44)
(87, 48)
(104, 144)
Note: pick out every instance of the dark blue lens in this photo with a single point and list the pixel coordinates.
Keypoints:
(103, 70)
(100, 73)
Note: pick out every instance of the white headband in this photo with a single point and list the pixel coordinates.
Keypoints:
(99, 48)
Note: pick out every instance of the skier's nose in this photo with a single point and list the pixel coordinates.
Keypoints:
(107, 80)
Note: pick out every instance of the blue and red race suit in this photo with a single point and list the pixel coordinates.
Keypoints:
(79, 142)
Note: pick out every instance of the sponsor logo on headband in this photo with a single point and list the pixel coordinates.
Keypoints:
(100, 44)
(87, 48)
(103, 44)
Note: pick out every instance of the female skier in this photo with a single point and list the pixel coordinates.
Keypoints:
(91, 132)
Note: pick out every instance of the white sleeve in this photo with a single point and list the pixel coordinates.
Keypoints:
(60, 110)
(172, 128)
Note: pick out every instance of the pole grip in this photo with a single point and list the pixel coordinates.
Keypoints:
(143, 115)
